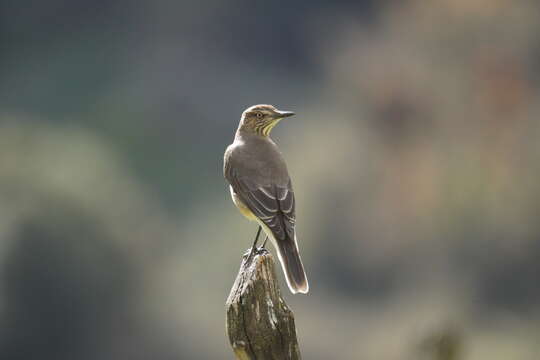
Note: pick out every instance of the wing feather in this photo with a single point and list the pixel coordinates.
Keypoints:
(273, 204)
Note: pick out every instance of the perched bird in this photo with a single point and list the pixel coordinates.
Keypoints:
(261, 187)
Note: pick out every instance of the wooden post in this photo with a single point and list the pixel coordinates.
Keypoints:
(259, 323)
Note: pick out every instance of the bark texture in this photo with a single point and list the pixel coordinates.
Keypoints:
(259, 323)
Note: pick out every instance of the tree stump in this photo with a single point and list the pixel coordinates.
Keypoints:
(259, 323)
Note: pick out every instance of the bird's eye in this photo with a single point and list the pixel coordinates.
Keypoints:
(259, 115)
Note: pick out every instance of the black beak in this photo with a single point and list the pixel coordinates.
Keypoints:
(284, 114)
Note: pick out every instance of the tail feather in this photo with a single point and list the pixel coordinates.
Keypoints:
(291, 263)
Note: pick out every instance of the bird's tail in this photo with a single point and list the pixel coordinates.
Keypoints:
(291, 263)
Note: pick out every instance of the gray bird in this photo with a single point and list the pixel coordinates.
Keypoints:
(261, 187)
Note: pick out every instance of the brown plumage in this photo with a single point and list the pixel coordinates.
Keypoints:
(261, 187)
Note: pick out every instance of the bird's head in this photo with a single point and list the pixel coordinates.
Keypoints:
(261, 119)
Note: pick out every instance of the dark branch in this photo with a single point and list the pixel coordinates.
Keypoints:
(259, 323)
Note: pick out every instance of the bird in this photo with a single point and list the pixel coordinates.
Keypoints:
(261, 188)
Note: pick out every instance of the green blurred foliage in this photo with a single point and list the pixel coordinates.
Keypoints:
(414, 156)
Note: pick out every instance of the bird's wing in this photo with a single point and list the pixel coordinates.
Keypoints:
(273, 204)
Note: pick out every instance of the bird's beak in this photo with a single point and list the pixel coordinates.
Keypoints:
(283, 114)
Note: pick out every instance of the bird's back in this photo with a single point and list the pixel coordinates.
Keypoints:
(258, 159)
(261, 187)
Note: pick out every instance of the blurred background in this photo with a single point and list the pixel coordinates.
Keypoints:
(414, 155)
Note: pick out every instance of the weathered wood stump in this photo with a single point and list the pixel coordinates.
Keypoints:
(259, 323)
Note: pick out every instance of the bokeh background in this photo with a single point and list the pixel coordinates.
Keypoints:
(414, 155)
